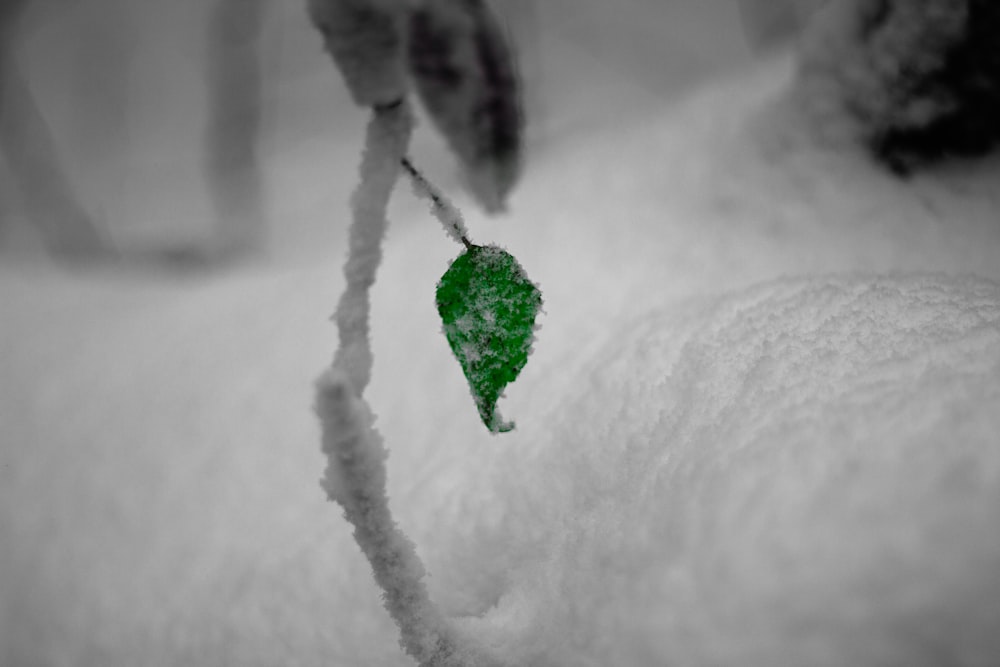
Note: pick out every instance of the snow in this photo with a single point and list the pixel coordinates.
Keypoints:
(758, 426)
(802, 473)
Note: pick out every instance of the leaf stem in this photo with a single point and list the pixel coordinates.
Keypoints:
(441, 207)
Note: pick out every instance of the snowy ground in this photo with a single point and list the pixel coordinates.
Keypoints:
(710, 467)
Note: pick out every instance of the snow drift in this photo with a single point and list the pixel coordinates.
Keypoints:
(806, 473)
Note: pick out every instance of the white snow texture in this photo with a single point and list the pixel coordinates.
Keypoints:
(759, 428)
(806, 473)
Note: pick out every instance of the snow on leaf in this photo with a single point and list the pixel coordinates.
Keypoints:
(488, 307)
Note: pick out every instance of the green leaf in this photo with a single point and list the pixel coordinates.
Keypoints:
(488, 307)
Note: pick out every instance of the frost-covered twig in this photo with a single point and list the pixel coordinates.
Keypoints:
(355, 476)
(386, 140)
(449, 216)
(365, 39)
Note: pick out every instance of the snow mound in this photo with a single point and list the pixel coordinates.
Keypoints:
(804, 473)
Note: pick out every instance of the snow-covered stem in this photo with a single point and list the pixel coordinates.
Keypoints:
(355, 475)
(355, 478)
(442, 208)
(386, 140)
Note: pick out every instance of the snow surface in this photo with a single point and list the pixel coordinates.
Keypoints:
(758, 428)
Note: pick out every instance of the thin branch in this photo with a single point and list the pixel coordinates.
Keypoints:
(355, 475)
(386, 139)
(441, 207)
(355, 478)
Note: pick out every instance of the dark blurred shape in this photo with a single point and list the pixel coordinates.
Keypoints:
(521, 23)
(920, 79)
(26, 143)
(232, 135)
(364, 40)
(465, 72)
(962, 87)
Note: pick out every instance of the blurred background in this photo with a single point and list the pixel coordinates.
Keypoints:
(195, 131)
